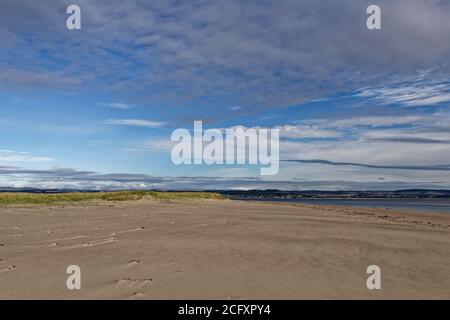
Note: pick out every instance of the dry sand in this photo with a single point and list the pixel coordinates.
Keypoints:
(222, 250)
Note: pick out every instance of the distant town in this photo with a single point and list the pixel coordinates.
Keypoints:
(316, 194)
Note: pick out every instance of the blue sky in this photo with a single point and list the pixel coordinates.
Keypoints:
(94, 108)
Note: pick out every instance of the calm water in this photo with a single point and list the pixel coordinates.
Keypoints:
(438, 205)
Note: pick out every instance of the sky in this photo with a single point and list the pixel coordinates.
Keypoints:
(357, 109)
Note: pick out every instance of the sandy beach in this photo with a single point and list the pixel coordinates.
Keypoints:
(221, 249)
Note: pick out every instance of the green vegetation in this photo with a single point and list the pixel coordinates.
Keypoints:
(8, 198)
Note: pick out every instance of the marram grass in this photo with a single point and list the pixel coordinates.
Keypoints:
(9, 198)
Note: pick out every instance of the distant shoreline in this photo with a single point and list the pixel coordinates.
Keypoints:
(438, 205)
(267, 193)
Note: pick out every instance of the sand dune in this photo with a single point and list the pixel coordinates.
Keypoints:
(221, 250)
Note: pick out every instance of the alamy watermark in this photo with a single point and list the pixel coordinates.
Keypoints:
(374, 280)
(73, 281)
(254, 146)
(73, 21)
(373, 22)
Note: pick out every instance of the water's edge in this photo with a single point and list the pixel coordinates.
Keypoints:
(433, 205)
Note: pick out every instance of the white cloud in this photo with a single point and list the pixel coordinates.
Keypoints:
(306, 131)
(300, 131)
(135, 123)
(363, 151)
(424, 89)
(15, 156)
(438, 98)
(154, 144)
(291, 177)
(370, 121)
(116, 105)
(408, 134)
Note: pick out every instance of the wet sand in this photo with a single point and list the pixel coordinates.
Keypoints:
(222, 250)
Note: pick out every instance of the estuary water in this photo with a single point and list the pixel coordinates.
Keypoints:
(434, 205)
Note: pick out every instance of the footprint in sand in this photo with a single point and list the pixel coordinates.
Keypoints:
(127, 231)
(94, 243)
(137, 294)
(8, 269)
(99, 242)
(134, 282)
(104, 241)
(134, 262)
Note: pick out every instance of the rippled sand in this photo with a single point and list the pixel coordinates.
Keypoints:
(222, 250)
